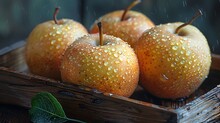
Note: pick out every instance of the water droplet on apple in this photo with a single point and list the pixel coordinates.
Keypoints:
(175, 47)
(190, 62)
(163, 77)
(121, 58)
(176, 59)
(53, 41)
(59, 39)
(181, 52)
(115, 55)
(117, 62)
(106, 63)
(182, 62)
(58, 46)
(109, 68)
(188, 53)
(164, 40)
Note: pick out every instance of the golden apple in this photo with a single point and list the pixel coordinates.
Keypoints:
(47, 43)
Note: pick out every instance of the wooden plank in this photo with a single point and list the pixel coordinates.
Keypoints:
(205, 109)
(86, 104)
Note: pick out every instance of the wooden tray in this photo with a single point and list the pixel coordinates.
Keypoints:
(18, 86)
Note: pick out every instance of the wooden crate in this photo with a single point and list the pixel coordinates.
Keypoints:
(18, 86)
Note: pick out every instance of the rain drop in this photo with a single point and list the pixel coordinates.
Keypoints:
(175, 47)
(163, 77)
(106, 63)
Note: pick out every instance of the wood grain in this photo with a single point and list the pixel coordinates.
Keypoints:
(202, 110)
(86, 104)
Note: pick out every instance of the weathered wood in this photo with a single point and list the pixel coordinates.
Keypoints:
(86, 104)
(204, 109)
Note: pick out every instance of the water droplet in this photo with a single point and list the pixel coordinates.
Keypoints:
(182, 62)
(123, 77)
(105, 51)
(53, 41)
(190, 62)
(164, 40)
(163, 77)
(121, 58)
(175, 47)
(113, 49)
(188, 53)
(168, 59)
(106, 63)
(176, 59)
(58, 46)
(116, 55)
(58, 31)
(172, 65)
(59, 39)
(109, 68)
(115, 70)
(99, 66)
(181, 52)
(68, 27)
(117, 62)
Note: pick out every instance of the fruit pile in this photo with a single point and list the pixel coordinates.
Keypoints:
(168, 60)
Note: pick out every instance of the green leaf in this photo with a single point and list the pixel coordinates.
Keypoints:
(46, 109)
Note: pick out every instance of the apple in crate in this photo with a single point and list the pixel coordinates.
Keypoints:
(174, 59)
(47, 43)
(102, 62)
(125, 24)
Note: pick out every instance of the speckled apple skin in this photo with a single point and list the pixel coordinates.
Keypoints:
(47, 43)
(173, 65)
(111, 68)
(129, 30)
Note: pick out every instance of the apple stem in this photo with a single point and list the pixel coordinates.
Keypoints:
(55, 14)
(100, 33)
(198, 13)
(134, 3)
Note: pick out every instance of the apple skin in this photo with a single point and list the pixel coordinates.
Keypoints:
(173, 65)
(129, 30)
(112, 67)
(47, 43)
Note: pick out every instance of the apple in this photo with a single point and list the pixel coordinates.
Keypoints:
(47, 43)
(101, 62)
(174, 59)
(125, 24)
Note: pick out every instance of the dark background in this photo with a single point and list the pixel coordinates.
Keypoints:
(19, 17)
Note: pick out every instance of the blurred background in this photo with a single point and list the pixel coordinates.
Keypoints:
(19, 17)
